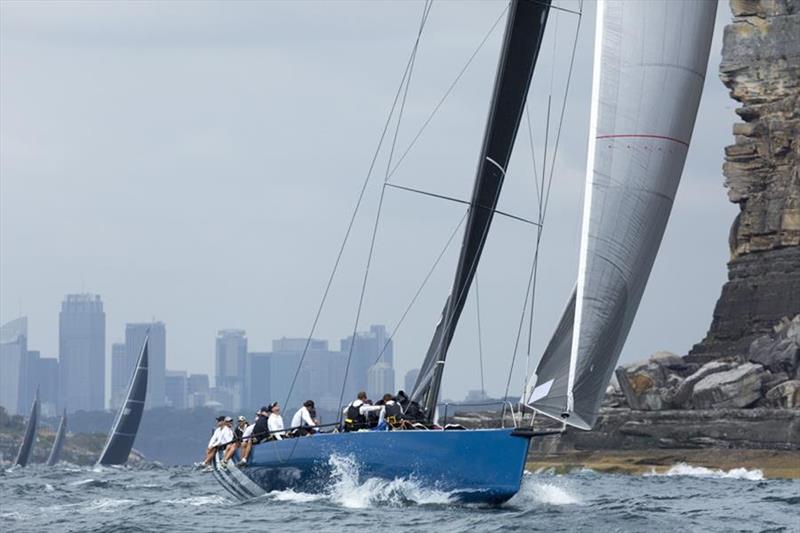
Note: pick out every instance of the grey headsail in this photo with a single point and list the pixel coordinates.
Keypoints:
(58, 443)
(521, 43)
(29, 439)
(123, 433)
(649, 66)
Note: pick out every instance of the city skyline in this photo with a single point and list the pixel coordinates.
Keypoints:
(179, 215)
(242, 378)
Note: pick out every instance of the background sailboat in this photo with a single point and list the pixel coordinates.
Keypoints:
(649, 67)
(123, 432)
(58, 443)
(29, 439)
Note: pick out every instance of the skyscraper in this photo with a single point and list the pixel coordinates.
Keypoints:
(380, 380)
(197, 390)
(157, 357)
(47, 380)
(175, 388)
(81, 352)
(369, 347)
(121, 371)
(258, 380)
(13, 355)
(231, 366)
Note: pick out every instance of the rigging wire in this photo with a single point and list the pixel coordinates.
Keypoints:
(447, 92)
(422, 285)
(426, 11)
(350, 225)
(545, 197)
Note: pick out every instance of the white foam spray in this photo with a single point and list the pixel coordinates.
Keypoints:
(345, 488)
(683, 469)
(536, 491)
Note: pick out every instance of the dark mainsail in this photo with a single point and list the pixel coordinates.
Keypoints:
(26, 448)
(123, 433)
(523, 38)
(58, 443)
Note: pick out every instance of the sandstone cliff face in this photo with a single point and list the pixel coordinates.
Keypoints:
(761, 67)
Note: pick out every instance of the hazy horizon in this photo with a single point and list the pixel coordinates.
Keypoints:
(197, 164)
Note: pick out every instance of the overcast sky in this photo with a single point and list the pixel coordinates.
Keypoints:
(197, 163)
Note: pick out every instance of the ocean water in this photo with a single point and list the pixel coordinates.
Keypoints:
(686, 498)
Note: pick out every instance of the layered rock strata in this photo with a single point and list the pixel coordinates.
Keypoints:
(761, 67)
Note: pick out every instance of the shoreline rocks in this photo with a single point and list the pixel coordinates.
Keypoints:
(755, 378)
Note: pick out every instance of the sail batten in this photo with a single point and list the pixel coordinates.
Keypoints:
(519, 52)
(647, 80)
(123, 432)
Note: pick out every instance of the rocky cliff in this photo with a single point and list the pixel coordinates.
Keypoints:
(761, 67)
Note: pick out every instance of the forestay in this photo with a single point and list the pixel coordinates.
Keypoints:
(123, 433)
(649, 66)
(523, 37)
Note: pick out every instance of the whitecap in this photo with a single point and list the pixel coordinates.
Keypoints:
(346, 489)
(683, 469)
(292, 496)
(534, 491)
(197, 501)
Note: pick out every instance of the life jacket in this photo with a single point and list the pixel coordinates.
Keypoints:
(392, 412)
(353, 418)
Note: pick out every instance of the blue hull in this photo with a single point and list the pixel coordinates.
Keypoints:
(482, 465)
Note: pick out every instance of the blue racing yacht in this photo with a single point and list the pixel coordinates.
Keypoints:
(649, 63)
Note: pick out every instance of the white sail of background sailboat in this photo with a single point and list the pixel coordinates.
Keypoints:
(649, 67)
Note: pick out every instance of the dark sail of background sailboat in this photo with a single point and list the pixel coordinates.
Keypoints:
(123, 433)
(58, 443)
(26, 448)
(523, 38)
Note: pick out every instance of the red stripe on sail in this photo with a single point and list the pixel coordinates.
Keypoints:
(644, 136)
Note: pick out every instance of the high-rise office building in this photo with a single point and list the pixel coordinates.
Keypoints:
(47, 374)
(231, 367)
(175, 388)
(13, 356)
(81, 352)
(380, 380)
(319, 378)
(197, 390)
(258, 381)
(410, 379)
(121, 372)
(156, 357)
(29, 378)
(370, 347)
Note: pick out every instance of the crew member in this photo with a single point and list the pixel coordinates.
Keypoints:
(356, 414)
(238, 433)
(391, 413)
(256, 435)
(275, 422)
(303, 422)
(213, 442)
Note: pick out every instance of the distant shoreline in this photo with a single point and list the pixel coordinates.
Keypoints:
(776, 464)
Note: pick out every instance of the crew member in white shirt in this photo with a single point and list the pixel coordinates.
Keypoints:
(275, 422)
(356, 414)
(303, 420)
(214, 441)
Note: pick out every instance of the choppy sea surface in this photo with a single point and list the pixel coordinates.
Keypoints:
(686, 498)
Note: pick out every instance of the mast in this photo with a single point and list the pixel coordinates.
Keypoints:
(58, 443)
(521, 43)
(123, 432)
(29, 439)
(649, 67)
